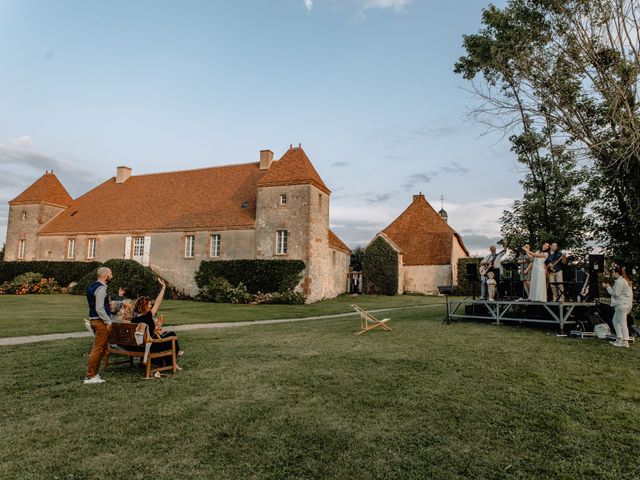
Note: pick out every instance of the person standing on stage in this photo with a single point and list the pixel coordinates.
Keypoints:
(622, 299)
(553, 264)
(494, 262)
(524, 267)
(538, 289)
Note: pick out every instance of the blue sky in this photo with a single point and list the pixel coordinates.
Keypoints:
(367, 87)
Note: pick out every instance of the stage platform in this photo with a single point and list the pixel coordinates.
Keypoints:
(521, 311)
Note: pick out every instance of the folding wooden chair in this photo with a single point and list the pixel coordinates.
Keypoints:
(368, 321)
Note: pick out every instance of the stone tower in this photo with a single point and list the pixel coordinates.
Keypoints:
(292, 198)
(34, 207)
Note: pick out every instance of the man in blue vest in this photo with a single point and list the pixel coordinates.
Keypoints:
(100, 318)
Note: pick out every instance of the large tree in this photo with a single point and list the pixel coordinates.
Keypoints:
(572, 66)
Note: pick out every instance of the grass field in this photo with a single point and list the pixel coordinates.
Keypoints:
(311, 400)
(41, 314)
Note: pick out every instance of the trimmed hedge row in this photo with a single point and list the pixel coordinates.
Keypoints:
(380, 269)
(137, 280)
(63, 272)
(465, 286)
(264, 276)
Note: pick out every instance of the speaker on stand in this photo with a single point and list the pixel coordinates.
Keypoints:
(471, 273)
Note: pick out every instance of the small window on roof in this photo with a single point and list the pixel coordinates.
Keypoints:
(245, 204)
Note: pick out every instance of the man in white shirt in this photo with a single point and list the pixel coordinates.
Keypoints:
(494, 262)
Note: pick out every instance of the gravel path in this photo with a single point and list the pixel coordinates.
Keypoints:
(5, 342)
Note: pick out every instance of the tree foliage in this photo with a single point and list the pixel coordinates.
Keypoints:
(380, 269)
(357, 258)
(569, 69)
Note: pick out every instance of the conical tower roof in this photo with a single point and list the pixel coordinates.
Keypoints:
(294, 168)
(47, 189)
(422, 235)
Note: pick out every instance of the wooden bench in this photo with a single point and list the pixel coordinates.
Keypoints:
(122, 341)
(369, 322)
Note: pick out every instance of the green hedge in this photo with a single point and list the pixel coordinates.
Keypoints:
(134, 278)
(63, 272)
(264, 276)
(465, 286)
(380, 269)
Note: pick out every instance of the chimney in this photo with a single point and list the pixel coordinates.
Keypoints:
(266, 157)
(122, 174)
(416, 197)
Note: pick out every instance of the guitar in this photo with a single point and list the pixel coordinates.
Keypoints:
(551, 267)
(486, 266)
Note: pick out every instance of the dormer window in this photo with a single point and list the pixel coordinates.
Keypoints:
(24, 215)
(283, 199)
(245, 205)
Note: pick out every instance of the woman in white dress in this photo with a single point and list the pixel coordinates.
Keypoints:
(622, 299)
(538, 288)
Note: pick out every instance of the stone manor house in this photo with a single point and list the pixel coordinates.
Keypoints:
(271, 209)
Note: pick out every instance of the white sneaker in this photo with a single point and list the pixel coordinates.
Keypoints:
(618, 343)
(95, 380)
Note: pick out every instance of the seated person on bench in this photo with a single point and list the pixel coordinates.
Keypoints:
(145, 313)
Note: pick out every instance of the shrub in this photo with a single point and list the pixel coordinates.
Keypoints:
(288, 297)
(257, 275)
(30, 283)
(136, 279)
(466, 286)
(380, 269)
(219, 290)
(63, 272)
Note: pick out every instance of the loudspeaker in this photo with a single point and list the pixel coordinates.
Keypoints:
(596, 263)
(581, 276)
(472, 271)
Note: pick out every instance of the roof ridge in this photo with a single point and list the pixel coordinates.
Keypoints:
(195, 169)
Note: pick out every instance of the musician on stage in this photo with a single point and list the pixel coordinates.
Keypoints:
(524, 268)
(491, 263)
(553, 264)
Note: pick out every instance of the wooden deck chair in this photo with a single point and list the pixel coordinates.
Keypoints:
(369, 322)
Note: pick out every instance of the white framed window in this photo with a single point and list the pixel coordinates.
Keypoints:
(282, 242)
(71, 248)
(283, 199)
(190, 246)
(215, 245)
(138, 246)
(24, 215)
(91, 248)
(22, 247)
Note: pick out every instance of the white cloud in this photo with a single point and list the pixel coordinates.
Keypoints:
(396, 4)
(22, 163)
(362, 5)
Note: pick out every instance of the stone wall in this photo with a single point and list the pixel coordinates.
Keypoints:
(456, 254)
(425, 278)
(20, 228)
(166, 252)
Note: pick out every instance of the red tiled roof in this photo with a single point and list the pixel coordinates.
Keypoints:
(206, 198)
(336, 243)
(293, 168)
(47, 189)
(422, 235)
(210, 198)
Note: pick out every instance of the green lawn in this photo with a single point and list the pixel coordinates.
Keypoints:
(311, 400)
(41, 314)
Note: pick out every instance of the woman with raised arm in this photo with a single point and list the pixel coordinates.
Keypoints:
(538, 288)
(146, 313)
(622, 299)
